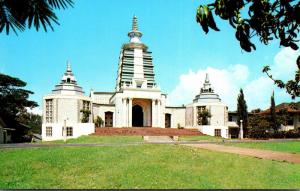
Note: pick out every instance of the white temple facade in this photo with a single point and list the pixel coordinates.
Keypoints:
(207, 99)
(62, 110)
(136, 102)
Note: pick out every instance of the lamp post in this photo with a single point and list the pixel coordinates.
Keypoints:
(241, 129)
(65, 129)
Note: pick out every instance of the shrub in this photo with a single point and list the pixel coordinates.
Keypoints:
(179, 126)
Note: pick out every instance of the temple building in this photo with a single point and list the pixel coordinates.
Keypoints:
(63, 110)
(217, 112)
(136, 102)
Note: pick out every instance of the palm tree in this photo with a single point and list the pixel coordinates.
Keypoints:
(17, 15)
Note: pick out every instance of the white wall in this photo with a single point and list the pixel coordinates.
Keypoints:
(177, 116)
(210, 130)
(79, 129)
(101, 98)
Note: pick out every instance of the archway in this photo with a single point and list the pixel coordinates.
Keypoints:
(109, 119)
(137, 116)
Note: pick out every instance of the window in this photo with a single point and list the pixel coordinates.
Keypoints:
(49, 110)
(139, 85)
(69, 131)
(86, 105)
(68, 80)
(230, 118)
(48, 131)
(218, 132)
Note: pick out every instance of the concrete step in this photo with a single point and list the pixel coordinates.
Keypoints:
(158, 139)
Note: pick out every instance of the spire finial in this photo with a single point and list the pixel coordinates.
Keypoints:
(135, 34)
(134, 23)
(69, 66)
(206, 78)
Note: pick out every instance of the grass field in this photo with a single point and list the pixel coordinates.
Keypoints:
(287, 146)
(141, 166)
(101, 139)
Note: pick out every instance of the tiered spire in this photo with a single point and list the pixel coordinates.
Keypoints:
(134, 24)
(207, 93)
(68, 84)
(135, 34)
(68, 77)
(207, 86)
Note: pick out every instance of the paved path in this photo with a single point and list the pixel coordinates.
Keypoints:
(264, 154)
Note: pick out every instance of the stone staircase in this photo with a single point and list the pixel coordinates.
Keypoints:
(146, 131)
(158, 139)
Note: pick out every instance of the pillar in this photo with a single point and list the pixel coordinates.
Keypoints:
(153, 113)
(124, 113)
(158, 113)
(130, 113)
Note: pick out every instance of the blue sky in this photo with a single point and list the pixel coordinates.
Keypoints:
(90, 35)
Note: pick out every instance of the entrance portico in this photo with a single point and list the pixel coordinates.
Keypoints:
(141, 112)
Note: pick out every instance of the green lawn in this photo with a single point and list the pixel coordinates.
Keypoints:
(200, 138)
(287, 146)
(141, 166)
(100, 139)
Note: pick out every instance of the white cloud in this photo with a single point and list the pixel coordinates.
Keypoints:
(35, 110)
(229, 80)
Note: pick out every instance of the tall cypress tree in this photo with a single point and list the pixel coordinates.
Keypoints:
(242, 113)
(273, 118)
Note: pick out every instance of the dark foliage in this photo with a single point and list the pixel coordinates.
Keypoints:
(273, 117)
(13, 102)
(242, 113)
(85, 115)
(13, 98)
(20, 14)
(268, 20)
(203, 115)
(33, 121)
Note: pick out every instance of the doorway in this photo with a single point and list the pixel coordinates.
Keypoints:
(168, 120)
(137, 116)
(108, 119)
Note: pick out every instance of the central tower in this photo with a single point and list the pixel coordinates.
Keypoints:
(135, 62)
(138, 101)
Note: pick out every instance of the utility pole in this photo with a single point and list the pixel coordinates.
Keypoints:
(65, 130)
(241, 129)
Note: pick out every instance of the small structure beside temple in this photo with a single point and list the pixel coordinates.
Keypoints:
(208, 101)
(64, 108)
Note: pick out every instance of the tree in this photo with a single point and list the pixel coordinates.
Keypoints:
(259, 126)
(242, 113)
(34, 121)
(20, 14)
(13, 98)
(85, 115)
(99, 121)
(273, 117)
(278, 19)
(204, 115)
(283, 117)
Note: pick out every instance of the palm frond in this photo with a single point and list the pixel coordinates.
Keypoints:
(57, 4)
(8, 21)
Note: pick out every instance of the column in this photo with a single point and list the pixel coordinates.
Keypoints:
(153, 113)
(124, 113)
(158, 113)
(130, 113)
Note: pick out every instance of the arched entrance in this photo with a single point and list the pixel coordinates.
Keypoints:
(137, 116)
(109, 119)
